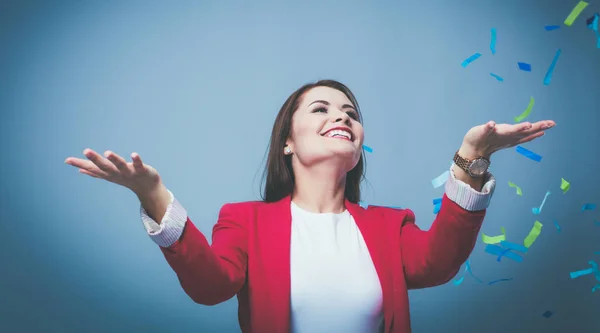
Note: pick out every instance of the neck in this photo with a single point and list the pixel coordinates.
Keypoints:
(319, 189)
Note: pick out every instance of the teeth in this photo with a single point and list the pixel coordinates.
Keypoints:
(333, 133)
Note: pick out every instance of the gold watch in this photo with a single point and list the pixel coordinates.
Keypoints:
(476, 168)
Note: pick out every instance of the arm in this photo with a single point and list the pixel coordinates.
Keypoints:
(433, 257)
(208, 274)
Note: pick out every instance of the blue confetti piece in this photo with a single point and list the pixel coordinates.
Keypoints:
(368, 149)
(436, 208)
(550, 71)
(459, 281)
(529, 154)
(524, 66)
(588, 206)
(437, 205)
(497, 250)
(493, 41)
(499, 280)
(497, 77)
(513, 246)
(502, 254)
(470, 59)
(557, 226)
(593, 24)
(582, 272)
(363, 204)
(547, 314)
(468, 269)
(551, 27)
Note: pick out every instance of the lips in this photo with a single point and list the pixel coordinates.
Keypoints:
(339, 132)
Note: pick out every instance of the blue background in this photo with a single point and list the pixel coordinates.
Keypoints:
(194, 88)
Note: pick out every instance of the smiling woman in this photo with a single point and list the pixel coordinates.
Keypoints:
(308, 258)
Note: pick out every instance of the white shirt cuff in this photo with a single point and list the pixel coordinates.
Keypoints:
(170, 228)
(467, 197)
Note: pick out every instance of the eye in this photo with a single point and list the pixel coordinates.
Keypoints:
(353, 115)
(321, 109)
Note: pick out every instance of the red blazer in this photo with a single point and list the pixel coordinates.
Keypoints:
(250, 258)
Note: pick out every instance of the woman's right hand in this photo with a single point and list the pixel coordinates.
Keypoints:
(141, 178)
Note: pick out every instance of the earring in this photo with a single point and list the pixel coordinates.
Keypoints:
(288, 151)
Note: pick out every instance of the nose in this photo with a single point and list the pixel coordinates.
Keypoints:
(342, 117)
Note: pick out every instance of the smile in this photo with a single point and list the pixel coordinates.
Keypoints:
(339, 134)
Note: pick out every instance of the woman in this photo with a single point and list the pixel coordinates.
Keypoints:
(308, 258)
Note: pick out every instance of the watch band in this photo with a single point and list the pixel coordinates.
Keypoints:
(465, 163)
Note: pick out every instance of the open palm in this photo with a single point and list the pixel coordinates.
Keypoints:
(137, 176)
(490, 137)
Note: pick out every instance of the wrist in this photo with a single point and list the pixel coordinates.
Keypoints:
(469, 152)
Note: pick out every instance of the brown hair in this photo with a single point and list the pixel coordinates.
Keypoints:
(278, 171)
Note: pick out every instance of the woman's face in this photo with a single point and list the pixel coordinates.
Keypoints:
(326, 127)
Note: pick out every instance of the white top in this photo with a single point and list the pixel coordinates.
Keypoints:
(334, 285)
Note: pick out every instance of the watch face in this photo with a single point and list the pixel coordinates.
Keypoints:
(478, 167)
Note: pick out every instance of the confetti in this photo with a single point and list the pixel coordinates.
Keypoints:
(529, 154)
(533, 234)
(547, 314)
(494, 239)
(368, 149)
(588, 206)
(550, 71)
(551, 27)
(592, 23)
(557, 226)
(564, 185)
(437, 205)
(527, 111)
(459, 281)
(363, 204)
(496, 250)
(514, 247)
(502, 254)
(468, 269)
(493, 41)
(470, 59)
(524, 66)
(499, 78)
(536, 210)
(499, 280)
(582, 272)
(519, 192)
(440, 180)
(575, 13)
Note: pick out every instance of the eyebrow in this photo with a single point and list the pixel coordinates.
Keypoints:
(327, 103)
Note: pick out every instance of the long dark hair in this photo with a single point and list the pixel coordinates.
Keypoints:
(279, 173)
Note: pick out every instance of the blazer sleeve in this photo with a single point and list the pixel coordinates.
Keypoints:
(434, 257)
(211, 274)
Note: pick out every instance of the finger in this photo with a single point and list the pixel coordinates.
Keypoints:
(538, 127)
(85, 172)
(530, 137)
(100, 161)
(85, 164)
(489, 126)
(138, 165)
(522, 127)
(118, 161)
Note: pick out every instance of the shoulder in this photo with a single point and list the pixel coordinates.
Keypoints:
(389, 213)
(250, 207)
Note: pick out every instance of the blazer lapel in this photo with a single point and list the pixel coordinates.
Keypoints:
(276, 231)
(372, 229)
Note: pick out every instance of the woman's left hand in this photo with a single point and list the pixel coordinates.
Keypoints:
(483, 140)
